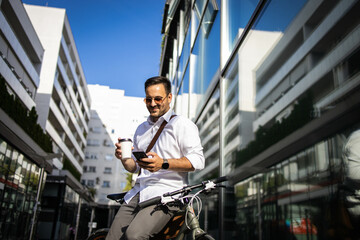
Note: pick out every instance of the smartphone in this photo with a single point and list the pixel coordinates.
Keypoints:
(140, 155)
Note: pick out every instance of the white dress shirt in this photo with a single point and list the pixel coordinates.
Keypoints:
(179, 138)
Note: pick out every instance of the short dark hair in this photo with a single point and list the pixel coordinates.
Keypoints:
(159, 80)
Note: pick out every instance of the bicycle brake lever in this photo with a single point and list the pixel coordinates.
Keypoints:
(209, 185)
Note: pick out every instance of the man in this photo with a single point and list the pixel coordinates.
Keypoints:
(176, 152)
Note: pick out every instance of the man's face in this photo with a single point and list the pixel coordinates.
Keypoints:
(157, 101)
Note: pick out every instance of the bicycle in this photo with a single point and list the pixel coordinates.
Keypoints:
(184, 222)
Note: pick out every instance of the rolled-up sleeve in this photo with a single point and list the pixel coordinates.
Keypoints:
(190, 144)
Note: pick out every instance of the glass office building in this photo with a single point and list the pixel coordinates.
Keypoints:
(274, 87)
(23, 154)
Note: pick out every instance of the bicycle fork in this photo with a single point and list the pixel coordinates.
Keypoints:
(191, 225)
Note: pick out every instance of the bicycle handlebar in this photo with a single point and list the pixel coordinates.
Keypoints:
(220, 179)
(189, 188)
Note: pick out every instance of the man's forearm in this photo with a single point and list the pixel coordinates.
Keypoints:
(180, 165)
(129, 165)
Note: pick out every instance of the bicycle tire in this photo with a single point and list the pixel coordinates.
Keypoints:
(205, 237)
(99, 234)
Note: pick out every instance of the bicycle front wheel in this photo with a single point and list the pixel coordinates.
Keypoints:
(99, 234)
(205, 237)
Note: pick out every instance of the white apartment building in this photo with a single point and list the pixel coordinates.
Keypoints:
(63, 105)
(113, 115)
(62, 101)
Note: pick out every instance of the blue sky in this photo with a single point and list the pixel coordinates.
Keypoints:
(118, 41)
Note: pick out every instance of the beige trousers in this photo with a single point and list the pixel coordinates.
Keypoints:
(132, 223)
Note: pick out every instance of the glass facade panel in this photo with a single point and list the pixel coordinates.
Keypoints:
(206, 57)
(209, 132)
(184, 58)
(311, 161)
(311, 208)
(70, 195)
(231, 115)
(182, 98)
(199, 7)
(271, 20)
(239, 113)
(2, 158)
(198, 10)
(61, 204)
(321, 157)
(19, 180)
(185, 21)
(335, 148)
(238, 15)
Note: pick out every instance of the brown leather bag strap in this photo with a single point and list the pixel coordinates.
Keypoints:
(158, 134)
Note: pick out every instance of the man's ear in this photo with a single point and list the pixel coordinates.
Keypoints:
(170, 97)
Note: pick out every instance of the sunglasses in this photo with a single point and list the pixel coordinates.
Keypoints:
(158, 100)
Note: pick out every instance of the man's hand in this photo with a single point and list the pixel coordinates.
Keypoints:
(129, 164)
(153, 163)
(118, 150)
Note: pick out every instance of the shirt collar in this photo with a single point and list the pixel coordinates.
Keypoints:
(166, 117)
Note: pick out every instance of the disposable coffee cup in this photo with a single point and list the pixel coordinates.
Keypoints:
(126, 144)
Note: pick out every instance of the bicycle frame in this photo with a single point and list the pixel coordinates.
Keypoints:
(192, 226)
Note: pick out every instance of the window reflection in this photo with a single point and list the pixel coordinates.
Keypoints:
(279, 14)
(185, 23)
(238, 14)
(209, 131)
(205, 56)
(184, 58)
(182, 98)
(297, 199)
(231, 116)
(209, 17)
(199, 8)
(19, 179)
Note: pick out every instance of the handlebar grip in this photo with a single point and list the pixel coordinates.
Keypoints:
(220, 179)
(149, 202)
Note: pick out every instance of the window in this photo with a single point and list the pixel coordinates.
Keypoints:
(206, 55)
(106, 184)
(107, 170)
(93, 142)
(85, 168)
(95, 129)
(92, 169)
(238, 15)
(109, 157)
(89, 155)
(108, 143)
(90, 183)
